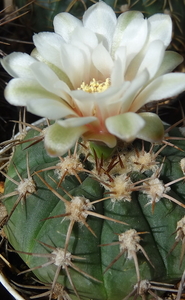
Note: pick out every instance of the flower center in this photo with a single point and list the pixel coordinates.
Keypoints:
(95, 86)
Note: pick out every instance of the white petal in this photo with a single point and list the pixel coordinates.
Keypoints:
(165, 86)
(88, 71)
(101, 19)
(110, 95)
(153, 131)
(105, 138)
(27, 92)
(84, 102)
(131, 32)
(49, 45)
(102, 104)
(149, 58)
(170, 61)
(20, 90)
(75, 122)
(125, 126)
(118, 70)
(60, 74)
(49, 80)
(64, 24)
(153, 58)
(17, 64)
(115, 101)
(102, 61)
(119, 101)
(85, 36)
(135, 86)
(58, 140)
(73, 64)
(49, 108)
(160, 28)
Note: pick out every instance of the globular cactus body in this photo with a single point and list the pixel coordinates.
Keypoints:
(92, 262)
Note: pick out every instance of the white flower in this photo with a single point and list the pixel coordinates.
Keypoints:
(94, 76)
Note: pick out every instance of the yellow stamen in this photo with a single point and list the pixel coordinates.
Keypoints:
(95, 86)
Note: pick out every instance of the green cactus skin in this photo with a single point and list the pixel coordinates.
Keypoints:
(42, 12)
(29, 229)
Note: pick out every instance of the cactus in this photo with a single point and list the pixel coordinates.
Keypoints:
(95, 200)
(122, 230)
(42, 12)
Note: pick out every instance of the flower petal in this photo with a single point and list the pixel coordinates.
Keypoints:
(84, 36)
(102, 60)
(49, 46)
(98, 103)
(131, 32)
(76, 122)
(153, 130)
(89, 71)
(73, 64)
(160, 28)
(149, 58)
(27, 92)
(135, 86)
(64, 24)
(58, 140)
(49, 108)
(118, 70)
(170, 61)
(165, 86)
(20, 90)
(60, 74)
(105, 138)
(125, 126)
(49, 80)
(113, 100)
(17, 64)
(101, 19)
(84, 101)
(152, 59)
